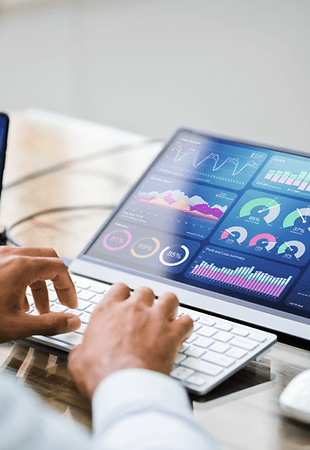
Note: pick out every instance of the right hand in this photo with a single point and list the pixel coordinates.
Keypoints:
(128, 331)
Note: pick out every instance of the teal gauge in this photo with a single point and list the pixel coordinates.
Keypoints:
(299, 213)
(268, 207)
(296, 247)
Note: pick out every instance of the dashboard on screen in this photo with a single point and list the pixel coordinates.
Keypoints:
(218, 216)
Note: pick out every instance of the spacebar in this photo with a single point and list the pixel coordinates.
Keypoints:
(201, 366)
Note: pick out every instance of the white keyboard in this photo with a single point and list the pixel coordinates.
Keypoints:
(216, 349)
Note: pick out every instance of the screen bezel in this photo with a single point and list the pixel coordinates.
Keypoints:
(192, 296)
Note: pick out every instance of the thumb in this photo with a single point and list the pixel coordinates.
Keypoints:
(48, 324)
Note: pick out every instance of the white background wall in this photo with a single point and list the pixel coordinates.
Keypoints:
(236, 67)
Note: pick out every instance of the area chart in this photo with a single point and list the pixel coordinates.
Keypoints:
(242, 277)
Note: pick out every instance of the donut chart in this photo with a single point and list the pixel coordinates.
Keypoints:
(174, 255)
(116, 240)
(145, 247)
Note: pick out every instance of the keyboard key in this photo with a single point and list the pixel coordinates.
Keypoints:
(85, 317)
(181, 373)
(183, 348)
(240, 331)
(90, 308)
(208, 321)
(196, 326)
(57, 307)
(257, 337)
(223, 326)
(244, 343)
(207, 331)
(85, 295)
(179, 358)
(203, 342)
(216, 358)
(198, 380)
(82, 305)
(196, 352)
(81, 329)
(82, 284)
(219, 347)
(191, 338)
(236, 353)
(69, 338)
(201, 366)
(98, 289)
(222, 336)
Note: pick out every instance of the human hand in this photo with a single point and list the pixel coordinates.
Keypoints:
(128, 331)
(31, 266)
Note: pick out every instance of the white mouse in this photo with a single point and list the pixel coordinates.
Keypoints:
(295, 398)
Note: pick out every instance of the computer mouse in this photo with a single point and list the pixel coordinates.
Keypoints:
(295, 398)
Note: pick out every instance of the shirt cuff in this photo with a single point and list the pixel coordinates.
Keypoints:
(127, 389)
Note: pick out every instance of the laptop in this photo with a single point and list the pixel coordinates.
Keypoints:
(222, 223)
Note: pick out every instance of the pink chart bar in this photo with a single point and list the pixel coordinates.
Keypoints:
(302, 186)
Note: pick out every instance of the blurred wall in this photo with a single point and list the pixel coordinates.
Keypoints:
(236, 67)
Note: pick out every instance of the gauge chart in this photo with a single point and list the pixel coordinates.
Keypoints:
(302, 215)
(296, 248)
(264, 238)
(238, 234)
(265, 206)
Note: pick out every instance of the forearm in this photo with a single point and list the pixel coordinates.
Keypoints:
(145, 410)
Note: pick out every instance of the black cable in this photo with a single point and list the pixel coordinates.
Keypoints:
(50, 211)
(65, 164)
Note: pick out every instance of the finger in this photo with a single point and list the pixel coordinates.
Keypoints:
(168, 305)
(39, 269)
(40, 296)
(45, 324)
(183, 328)
(45, 252)
(145, 295)
(117, 293)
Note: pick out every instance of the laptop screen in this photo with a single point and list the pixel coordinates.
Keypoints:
(213, 215)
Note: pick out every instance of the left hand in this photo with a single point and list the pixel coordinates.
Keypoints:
(31, 266)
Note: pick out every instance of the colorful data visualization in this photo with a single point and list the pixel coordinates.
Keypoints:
(273, 227)
(212, 161)
(179, 207)
(246, 274)
(286, 175)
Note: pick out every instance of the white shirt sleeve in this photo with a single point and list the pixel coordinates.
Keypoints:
(144, 410)
(132, 409)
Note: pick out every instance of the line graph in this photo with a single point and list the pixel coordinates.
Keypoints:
(217, 162)
(194, 155)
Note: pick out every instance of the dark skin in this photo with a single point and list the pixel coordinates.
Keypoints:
(125, 331)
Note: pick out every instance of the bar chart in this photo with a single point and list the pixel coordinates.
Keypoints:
(243, 277)
(301, 180)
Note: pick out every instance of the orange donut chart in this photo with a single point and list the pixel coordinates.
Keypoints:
(146, 247)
